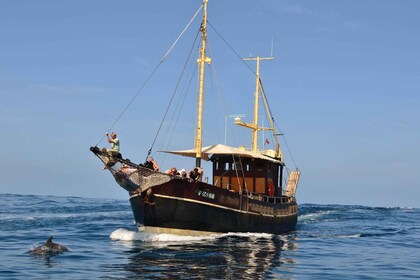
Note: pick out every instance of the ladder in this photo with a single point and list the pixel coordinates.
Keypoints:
(292, 183)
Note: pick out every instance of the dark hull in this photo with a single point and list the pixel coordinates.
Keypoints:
(184, 207)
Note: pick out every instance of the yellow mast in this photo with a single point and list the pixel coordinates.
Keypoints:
(202, 62)
(254, 126)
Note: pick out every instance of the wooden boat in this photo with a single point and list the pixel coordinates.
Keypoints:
(248, 192)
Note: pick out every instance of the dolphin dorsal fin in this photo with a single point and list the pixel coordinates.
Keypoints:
(49, 241)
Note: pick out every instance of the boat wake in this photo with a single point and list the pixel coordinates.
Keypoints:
(124, 234)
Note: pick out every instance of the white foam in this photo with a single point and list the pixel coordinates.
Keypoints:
(349, 236)
(123, 234)
(128, 235)
(315, 216)
(248, 234)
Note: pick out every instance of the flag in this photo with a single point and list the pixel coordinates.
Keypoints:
(266, 141)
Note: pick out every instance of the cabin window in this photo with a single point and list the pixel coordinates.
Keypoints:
(226, 165)
(260, 167)
(217, 165)
(247, 167)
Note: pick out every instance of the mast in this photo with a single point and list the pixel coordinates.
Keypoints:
(257, 90)
(202, 60)
(254, 126)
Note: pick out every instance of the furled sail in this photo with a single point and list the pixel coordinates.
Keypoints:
(220, 149)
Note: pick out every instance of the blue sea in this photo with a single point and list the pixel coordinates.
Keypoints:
(330, 242)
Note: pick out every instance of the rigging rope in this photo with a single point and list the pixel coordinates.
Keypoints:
(223, 101)
(231, 48)
(164, 145)
(183, 31)
(173, 95)
(272, 118)
(214, 88)
(150, 76)
(287, 146)
(262, 89)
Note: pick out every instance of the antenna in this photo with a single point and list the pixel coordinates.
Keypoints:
(272, 46)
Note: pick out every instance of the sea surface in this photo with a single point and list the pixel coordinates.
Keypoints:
(330, 242)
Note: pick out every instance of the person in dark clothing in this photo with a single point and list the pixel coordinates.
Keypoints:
(194, 175)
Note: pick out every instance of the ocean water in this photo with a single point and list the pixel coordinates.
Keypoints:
(330, 242)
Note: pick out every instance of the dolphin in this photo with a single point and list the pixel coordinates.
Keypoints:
(49, 247)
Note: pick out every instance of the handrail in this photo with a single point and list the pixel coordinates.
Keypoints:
(266, 198)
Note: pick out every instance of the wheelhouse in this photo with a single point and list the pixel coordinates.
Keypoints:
(242, 174)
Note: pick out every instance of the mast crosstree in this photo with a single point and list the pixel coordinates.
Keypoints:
(254, 126)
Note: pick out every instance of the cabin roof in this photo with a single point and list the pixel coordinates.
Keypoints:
(220, 149)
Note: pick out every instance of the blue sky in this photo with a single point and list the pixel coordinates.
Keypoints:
(344, 89)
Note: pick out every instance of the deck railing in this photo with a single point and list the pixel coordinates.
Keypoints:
(266, 198)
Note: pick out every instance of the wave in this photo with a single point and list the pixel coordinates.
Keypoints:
(316, 216)
(329, 236)
(387, 232)
(349, 236)
(59, 216)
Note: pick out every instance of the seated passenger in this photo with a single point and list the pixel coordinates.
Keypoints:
(172, 171)
(155, 165)
(112, 153)
(115, 148)
(196, 174)
(152, 164)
